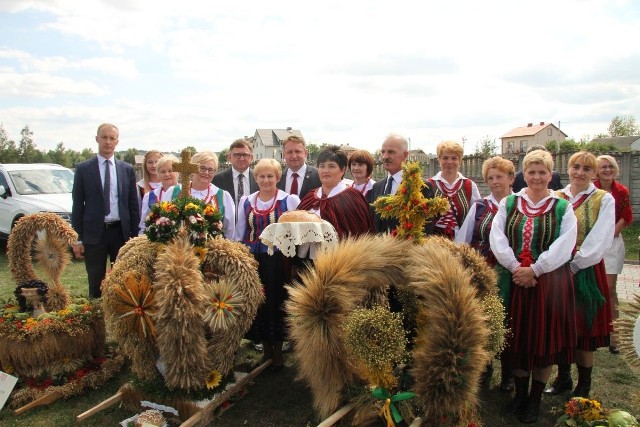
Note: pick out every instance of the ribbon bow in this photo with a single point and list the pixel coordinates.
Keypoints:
(389, 410)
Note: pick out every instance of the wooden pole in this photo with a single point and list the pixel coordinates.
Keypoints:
(221, 398)
(47, 399)
(101, 406)
(336, 416)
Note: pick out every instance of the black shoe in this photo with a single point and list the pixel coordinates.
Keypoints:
(506, 386)
(614, 350)
(582, 392)
(559, 386)
(530, 413)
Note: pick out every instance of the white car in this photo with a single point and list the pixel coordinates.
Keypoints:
(32, 188)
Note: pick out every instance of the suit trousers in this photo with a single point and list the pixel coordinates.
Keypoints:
(95, 258)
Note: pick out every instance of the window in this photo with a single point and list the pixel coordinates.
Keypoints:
(549, 131)
(510, 144)
(523, 146)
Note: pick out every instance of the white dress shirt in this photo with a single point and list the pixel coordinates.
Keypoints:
(114, 215)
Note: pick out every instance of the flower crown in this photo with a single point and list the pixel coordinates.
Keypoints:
(201, 221)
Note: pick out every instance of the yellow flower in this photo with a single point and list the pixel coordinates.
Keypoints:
(64, 312)
(200, 252)
(191, 206)
(213, 379)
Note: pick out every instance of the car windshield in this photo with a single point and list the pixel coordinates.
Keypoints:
(43, 181)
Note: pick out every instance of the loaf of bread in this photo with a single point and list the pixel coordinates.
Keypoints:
(299, 216)
(150, 417)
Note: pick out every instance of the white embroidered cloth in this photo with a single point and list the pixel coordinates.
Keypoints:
(303, 238)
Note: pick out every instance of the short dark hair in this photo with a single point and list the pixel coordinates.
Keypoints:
(333, 153)
(364, 157)
(241, 143)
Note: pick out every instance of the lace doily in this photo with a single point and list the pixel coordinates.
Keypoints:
(303, 238)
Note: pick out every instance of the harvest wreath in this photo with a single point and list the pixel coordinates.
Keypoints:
(54, 344)
(178, 302)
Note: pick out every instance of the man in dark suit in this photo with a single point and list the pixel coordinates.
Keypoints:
(395, 150)
(235, 179)
(298, 178)
(519, 183)
(105, 211)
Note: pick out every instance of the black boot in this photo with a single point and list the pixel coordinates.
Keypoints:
(506, 383)
(531, 412)
(521, 398)
(584, 382)
(562, 382)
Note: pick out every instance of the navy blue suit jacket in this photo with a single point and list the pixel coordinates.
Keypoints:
(87, 214)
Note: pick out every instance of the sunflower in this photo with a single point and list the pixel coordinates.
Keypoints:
(200, 253)
(135, 303)
(224, 302)
(213, 379)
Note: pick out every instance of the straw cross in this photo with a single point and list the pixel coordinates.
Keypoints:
(186, 168)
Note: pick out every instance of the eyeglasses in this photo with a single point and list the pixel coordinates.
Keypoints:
(210, 171)
(607, 167)
(241, 155)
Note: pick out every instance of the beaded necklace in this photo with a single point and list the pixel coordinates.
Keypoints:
(270, 212)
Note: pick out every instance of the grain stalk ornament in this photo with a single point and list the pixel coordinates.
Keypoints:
(409, 205)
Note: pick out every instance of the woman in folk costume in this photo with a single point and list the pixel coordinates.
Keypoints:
(167, 191)
(255, 212)
(203, 189)
(607, 172)
(460, 191)
(498, 174)
(336, 202)
(595, 210)
(532, 237)
(361, 165)
(150, 178)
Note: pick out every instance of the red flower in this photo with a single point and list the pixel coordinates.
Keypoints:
(408, 226)
(403, 190)
(388, 208)
(1, 319)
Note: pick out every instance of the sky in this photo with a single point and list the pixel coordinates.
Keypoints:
(172, 74)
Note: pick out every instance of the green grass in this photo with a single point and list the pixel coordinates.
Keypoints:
(631, 242)
(278, 399)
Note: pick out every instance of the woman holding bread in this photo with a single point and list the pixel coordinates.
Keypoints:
(336, 202)
(255, 212)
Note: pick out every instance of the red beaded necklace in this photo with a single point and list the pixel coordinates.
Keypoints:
(265, 211)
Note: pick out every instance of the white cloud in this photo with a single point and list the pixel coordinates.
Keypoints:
(200, 73)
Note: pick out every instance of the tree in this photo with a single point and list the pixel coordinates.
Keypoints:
(27, 148)
(129, 156)
(624, 125)
(487, 147)
(222, 156)
(8, 151)
(191, 149)
(60, 155)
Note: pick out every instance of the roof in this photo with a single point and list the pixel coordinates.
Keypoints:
(274, 137)
(529, 130)
(348, 148)
(618, 141)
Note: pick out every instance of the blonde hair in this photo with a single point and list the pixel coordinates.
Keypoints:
(167, 158)
(204, 157)
(145, 172)
(270, 165)
(452, 146)
(538, 157)
(610, 159)
(500, 163)
(587, 159)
